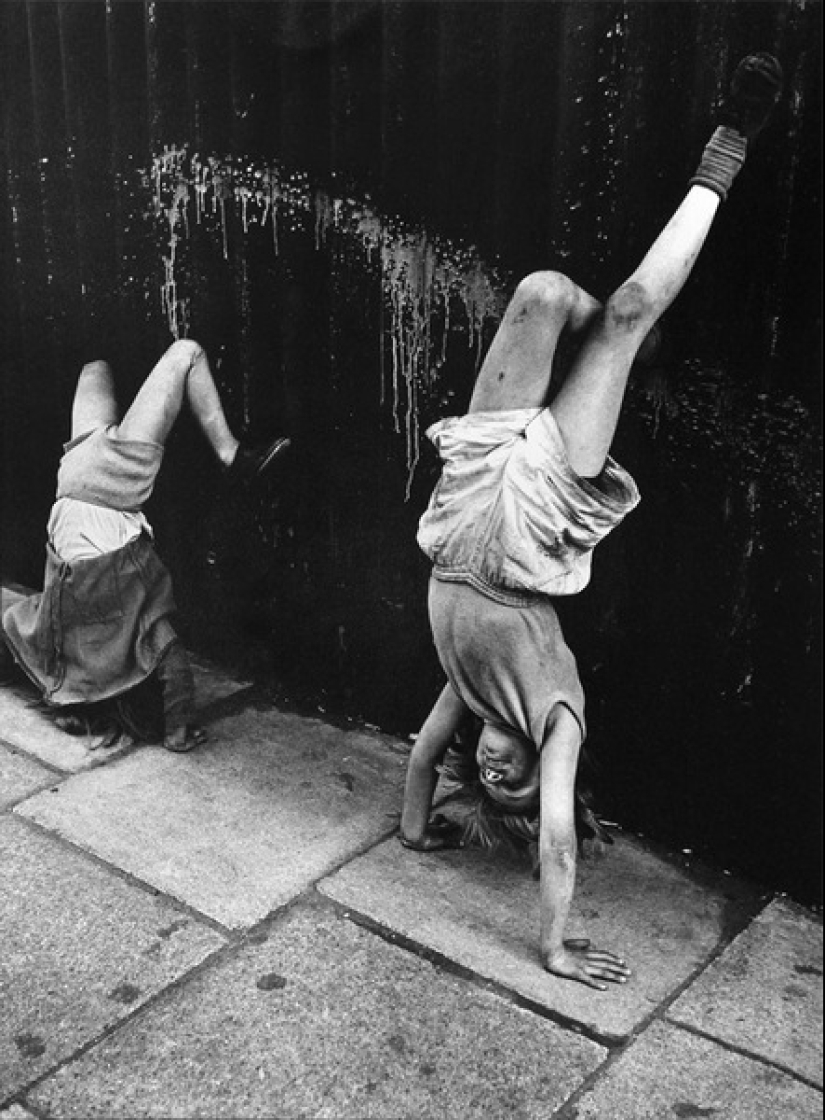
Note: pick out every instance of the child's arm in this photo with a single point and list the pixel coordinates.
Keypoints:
(435, 737)
(178, 685)
(557, 847)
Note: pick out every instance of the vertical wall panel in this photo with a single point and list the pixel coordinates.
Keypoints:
(335, 198)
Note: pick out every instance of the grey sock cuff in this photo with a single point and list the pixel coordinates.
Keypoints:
(721, 161)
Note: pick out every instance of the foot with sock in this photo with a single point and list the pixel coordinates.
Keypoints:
(755, 88)
(251, 463)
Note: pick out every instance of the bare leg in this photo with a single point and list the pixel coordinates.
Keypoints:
(440, 726)
(182, 373)
(516, 371)
(95, 404)
(587, 406)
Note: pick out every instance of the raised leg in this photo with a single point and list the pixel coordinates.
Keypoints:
(587, 405)
(516, 371)
(95, 403)
(182, 373)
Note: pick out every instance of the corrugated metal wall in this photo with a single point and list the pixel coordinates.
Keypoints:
(335, 198)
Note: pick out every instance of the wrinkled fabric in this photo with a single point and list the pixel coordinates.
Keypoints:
(101, 468)
(78, 530)
(509, 514)
(99, 627)
(509, 664)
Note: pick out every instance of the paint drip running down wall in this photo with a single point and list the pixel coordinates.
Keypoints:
(430, 285)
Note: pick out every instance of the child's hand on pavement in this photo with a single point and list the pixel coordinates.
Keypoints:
(577, 961)
(441, 833)
(184, 738)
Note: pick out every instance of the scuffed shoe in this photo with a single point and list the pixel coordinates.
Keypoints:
(755, 88)
(250, 463)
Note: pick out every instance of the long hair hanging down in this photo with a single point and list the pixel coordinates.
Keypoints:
(487, 824)
(136, 714)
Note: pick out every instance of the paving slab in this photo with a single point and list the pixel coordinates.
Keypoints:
(764, 993)
(671, 1073)
(482, 911)
(81, 948)
(21, 776)
(325, 1019)
(28, 728)
(241, 825)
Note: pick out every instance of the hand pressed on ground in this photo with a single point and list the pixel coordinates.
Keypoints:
(440, 834)
(578, 961)
(185, 738)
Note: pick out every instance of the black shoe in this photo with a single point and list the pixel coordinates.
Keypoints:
(250, 463)
(755, 88)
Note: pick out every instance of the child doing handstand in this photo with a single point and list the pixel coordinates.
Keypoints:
(527, 491)
(101, 626)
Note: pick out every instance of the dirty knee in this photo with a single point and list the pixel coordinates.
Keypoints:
(184, 353)
(548, 293)
(630, 310)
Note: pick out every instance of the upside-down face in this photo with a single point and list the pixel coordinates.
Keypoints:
(508, 768)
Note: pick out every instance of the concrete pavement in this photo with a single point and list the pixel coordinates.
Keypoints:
(236, 932)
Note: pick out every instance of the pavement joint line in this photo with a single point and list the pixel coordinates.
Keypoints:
(155, 892)
(10, 806)
(235, 942)
(209, 960)
(232, 947)
(447, 964)
(21, 752)
(613, 1042)
(103, 759)
(660, 1014)
(24, 753)
(660, 1011)
(128, 877)
(732, 1048)
(568, 1110)
(33, 1109)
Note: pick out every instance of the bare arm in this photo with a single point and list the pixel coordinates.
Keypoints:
(177, 683)
(557, 847)
(430, 747)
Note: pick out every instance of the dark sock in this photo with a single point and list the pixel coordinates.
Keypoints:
(754, 90)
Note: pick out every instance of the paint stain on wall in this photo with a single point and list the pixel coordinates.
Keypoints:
(429, 285)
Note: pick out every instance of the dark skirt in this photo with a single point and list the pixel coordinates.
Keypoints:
(98, 628)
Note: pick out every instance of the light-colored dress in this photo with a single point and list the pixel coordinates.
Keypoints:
(510, 525)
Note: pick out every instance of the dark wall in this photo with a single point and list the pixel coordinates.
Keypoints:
(335, 199)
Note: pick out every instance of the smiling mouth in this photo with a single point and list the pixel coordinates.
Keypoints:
(492, 776)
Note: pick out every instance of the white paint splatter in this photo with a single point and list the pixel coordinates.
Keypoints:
(423, 278)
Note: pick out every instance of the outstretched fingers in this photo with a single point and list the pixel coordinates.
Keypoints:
(185, 738)
(607, 966)
(593, 967)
